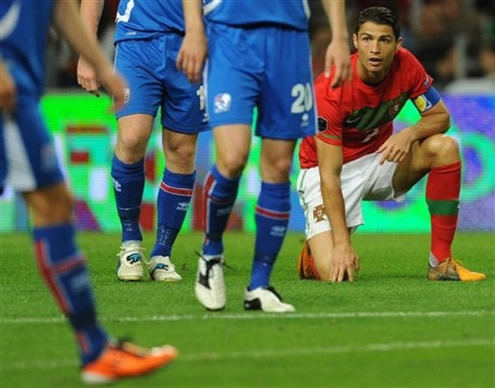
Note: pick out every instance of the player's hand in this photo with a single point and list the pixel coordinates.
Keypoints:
(345, 262)
(87, 77)
(8, 90)
(396, 147)
(115, 85)
(338, 54)
(192, 55)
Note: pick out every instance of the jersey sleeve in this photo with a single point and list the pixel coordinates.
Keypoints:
(330, 122)
(420, 81)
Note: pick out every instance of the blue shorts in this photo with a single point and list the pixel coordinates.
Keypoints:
(267, 67)
(154, 81)
(27, 154)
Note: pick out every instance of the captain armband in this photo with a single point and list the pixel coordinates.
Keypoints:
(428, 100)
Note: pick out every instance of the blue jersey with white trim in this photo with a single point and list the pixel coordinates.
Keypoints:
(144, 19)
(24, 28)
(290, 13)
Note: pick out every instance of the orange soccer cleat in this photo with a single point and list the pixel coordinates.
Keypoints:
(126, 360)
(450, 269)
(306, 265)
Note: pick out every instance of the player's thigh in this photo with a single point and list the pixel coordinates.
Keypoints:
(286, 104)
(232, 144)
(183, 104)
(411, 169)
(234, 73)
(276, 159)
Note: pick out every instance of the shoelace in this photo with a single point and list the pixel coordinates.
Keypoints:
(138, 249)
(223, 261)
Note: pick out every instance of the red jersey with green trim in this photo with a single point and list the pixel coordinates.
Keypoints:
(359, 117)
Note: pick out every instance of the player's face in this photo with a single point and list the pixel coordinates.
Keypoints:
(376, 45)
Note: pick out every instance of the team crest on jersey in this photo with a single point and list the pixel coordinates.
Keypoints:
(322, 124)
(222, 102)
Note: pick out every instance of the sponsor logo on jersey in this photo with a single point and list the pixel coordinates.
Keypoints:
(127, 95)
(222, 102)
(350, 120)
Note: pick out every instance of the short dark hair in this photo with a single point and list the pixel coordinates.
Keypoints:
(379, 15)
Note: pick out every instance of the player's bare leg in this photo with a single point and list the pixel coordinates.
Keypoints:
(173, 200)
(321, 248)
(438, 156)
(128, 177)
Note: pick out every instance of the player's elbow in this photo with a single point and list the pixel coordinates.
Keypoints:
(444, 122)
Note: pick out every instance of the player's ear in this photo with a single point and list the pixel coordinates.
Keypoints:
(398, 44)
(355, 41)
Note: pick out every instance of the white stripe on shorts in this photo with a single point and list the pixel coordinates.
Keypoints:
(19, 172)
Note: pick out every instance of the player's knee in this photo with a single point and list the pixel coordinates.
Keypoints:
(443, 146)
(52, 207)
(131, 148)
(233, 163)
(180, 156)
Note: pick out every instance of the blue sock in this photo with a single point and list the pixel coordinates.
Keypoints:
(219, 197)
(272, 218)
(173, 201)
(64, 270)
(128, 184)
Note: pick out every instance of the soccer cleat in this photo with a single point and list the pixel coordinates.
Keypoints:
(306, 265)
(129, 266)
(267, 300)
(450, 269)
(126, 360)
(210, 284)
(161, 269)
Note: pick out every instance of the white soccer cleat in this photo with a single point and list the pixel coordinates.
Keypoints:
(267, 300)
(210, 284)
(130, 264)
(161, 269)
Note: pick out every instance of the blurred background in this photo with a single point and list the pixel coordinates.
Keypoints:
(455, 41)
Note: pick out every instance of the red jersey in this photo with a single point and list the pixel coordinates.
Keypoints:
(359, 117)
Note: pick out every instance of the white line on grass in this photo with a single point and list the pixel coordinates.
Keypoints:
(254, 316)
(272, 353)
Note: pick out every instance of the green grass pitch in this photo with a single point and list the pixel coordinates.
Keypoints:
(390, 328)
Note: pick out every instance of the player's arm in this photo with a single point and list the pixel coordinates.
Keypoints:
(8, 90)
(194, 49)
(435, 119)
(338, 50)
(344, 257)
(90, 11)
(69, 23)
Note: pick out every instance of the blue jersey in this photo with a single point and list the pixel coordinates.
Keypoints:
(291, 13)
(143, 19)
(23, 33)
